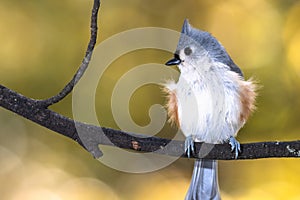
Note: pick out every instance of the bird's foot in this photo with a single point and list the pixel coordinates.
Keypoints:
(235, 146)
(189, 146)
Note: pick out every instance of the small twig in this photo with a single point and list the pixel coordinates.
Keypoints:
(85, 62)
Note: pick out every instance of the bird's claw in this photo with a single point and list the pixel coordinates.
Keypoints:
(235, 146)
(189, 146)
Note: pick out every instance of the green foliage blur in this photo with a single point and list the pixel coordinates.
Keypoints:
(42, 43)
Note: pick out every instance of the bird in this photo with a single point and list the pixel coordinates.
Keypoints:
(210, 102)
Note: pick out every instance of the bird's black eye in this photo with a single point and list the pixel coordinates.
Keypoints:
(188, 51)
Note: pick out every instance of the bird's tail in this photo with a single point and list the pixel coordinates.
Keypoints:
(204, 184)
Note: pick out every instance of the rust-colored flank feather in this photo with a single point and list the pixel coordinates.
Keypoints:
(172, 106)
(247, 94)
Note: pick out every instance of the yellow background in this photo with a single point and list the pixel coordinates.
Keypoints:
(43, 42)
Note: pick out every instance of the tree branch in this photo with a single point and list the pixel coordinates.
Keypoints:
(30, 109)
(91, 136)
(84, 64)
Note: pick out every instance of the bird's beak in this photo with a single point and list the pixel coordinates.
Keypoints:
(174, 61)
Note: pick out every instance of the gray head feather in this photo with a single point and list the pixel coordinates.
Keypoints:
(209, 43)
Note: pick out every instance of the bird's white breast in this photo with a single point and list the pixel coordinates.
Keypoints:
(208, 104)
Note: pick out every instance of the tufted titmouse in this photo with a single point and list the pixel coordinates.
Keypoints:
(210, 102)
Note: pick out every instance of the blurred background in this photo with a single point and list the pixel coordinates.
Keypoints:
(42, 45)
